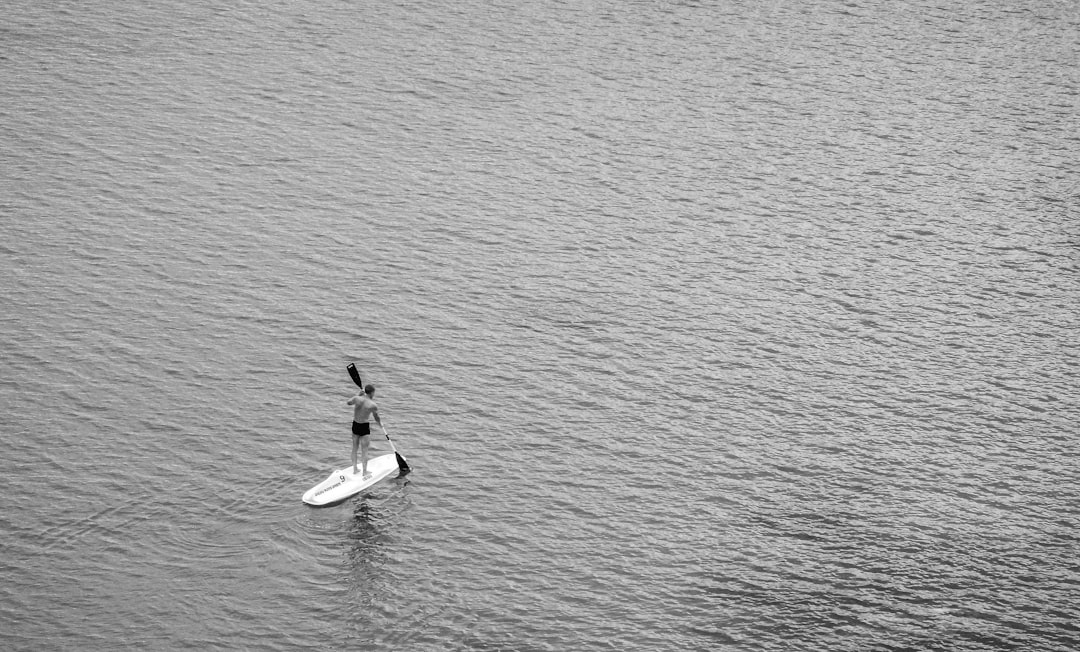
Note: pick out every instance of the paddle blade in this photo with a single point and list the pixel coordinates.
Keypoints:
(355, 375)
(402, 464)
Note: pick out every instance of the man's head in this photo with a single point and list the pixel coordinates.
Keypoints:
(370, 390)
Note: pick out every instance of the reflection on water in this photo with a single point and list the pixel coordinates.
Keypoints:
(375, 516)
(364, 529)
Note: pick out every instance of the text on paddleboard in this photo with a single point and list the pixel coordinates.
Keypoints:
(333, 486)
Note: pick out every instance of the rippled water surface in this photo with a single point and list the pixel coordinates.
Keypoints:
(703, 325)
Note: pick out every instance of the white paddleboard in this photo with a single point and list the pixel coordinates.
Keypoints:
(343, 483)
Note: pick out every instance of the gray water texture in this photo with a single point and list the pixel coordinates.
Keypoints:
(704, 325)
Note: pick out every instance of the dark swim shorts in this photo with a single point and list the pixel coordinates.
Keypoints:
(361, 429)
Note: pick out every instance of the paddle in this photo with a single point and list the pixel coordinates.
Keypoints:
(402, 464)
(355, 375)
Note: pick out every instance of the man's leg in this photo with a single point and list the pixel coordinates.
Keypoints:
(355, 443)
(364, 443)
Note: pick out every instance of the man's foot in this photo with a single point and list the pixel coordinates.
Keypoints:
(367, 475)
(355, 470)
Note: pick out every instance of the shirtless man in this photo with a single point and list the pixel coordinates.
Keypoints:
(363, 409)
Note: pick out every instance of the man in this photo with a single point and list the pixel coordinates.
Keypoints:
(363, 409)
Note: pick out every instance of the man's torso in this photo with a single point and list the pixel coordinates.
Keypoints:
(363, 409)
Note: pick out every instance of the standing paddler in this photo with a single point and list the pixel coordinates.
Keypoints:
(363, 409)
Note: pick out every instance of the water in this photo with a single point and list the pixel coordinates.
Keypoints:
(710, 326)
